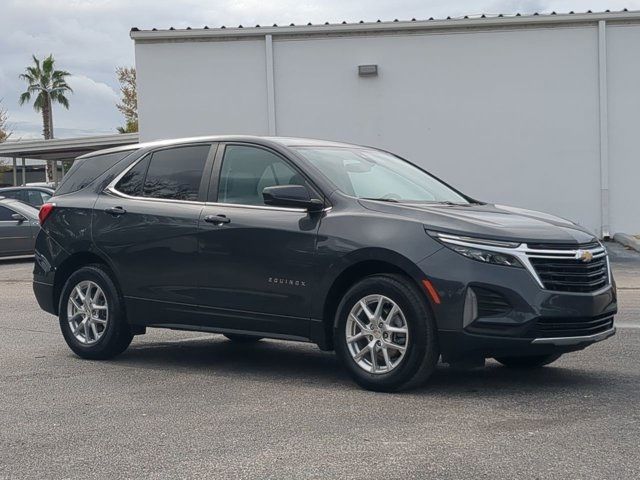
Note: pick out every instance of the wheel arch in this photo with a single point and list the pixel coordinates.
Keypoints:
(71, 264)
(360, 265)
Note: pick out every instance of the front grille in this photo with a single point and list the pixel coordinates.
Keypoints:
(559, 270)
(490, 303)
(573, 327)
(563, 246)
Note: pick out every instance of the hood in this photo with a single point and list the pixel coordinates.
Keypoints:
(488, 221)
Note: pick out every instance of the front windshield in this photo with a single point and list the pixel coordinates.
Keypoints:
(372, 174)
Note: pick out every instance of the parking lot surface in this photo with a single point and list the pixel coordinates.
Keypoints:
(194, 405)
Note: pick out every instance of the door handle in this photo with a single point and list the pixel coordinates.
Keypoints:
(217, 219)
(115, 211)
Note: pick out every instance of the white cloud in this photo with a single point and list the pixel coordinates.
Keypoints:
(90, 38)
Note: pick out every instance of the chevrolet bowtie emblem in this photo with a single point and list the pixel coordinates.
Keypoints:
(584, 255)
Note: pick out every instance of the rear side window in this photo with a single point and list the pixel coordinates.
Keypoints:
(176, 173)
(132, 181)
(86, 170)
(17, 194)
(37, 197)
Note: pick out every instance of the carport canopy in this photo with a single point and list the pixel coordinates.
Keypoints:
(61, 149)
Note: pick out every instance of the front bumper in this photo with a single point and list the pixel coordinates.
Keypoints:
(538, 322)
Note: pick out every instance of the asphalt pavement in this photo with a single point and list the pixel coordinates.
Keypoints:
(194, 405)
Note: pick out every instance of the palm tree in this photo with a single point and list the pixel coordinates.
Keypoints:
(47, 85)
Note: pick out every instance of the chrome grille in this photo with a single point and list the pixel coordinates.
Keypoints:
(563, 270)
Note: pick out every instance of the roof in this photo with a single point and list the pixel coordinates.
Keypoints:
(264, 140)
(64, 148)
(468, 21)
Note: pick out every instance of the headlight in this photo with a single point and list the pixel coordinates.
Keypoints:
(480, 249)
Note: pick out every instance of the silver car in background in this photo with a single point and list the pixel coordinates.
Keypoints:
(18, 228)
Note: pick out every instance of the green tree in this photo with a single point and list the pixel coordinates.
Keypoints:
(128, 105)
(45, 85)
(5, 132)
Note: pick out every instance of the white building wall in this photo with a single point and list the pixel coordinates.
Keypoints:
(508, 116)
(623, 66)
(201, 88)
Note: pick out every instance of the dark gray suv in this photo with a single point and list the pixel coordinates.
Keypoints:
(348, 247)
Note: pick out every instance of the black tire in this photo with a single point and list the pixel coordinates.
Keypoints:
(239, 338)
(116, 336)
(533, 361)
(422, 353)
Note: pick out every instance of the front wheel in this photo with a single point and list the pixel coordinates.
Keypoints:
(532, 361)
(91, 315)
(386, 336)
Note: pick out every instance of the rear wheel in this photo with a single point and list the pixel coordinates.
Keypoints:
(239, 338)
(533, 361)
(386, 335)
(91, 315)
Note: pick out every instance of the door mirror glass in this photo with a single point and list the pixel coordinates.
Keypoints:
(291, 196)
(18, 217)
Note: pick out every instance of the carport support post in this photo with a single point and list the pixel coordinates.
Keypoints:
(15, 172)
(24, 172)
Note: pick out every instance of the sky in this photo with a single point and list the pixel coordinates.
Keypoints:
(90, 38)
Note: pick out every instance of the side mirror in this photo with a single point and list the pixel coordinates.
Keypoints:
(296, 196)
(19, 217)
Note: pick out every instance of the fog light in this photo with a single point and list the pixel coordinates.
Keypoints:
(470, 312)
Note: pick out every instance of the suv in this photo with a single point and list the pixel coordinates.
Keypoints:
(348, 247)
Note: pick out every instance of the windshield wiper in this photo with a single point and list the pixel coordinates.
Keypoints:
(392, 200)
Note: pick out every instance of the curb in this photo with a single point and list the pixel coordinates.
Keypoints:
(627, 240)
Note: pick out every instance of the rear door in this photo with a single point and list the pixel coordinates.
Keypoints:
(146, 223)
(16, 237)
(258, 263)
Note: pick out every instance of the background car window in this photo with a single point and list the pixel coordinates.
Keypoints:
(17, 194)
(36, 197)
(5, 214)
(131, 182)
(176, 173)
(86, 170)
(247, 171)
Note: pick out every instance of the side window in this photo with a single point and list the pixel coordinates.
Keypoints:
(131, 182)
(176, 173)
(11, 194)
(247, 171)
(37, 198)
(86, 170)
(5, 214)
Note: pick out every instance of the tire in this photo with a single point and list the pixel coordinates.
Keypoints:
(533, 361)
(404, 370)
(111, 335)
(239, 338)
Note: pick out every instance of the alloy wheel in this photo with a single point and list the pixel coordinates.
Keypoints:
(87, 312)
(377, 334)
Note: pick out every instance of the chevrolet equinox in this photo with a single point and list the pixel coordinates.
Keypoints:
(349, 247)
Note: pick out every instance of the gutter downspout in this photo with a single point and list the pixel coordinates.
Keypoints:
(604, 129)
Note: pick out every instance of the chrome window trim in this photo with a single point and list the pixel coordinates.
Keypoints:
(523, 253)
(111, 188)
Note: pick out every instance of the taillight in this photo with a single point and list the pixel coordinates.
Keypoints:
(45, 211)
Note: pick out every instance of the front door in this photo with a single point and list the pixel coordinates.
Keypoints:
(257, 269)
(147, 225)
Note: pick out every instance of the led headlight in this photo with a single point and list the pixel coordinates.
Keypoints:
(480, 249)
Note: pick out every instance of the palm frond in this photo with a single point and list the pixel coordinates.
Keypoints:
(25, 98)
(60, 98)
(38, 104)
